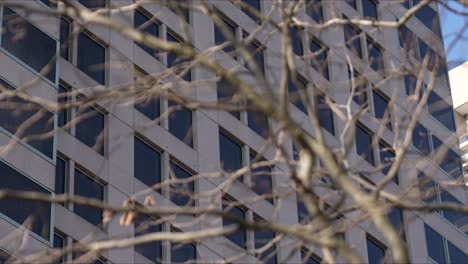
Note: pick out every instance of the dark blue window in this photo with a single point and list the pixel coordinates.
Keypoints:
(50, 3)
(441, 111)
(456, 218)
(147, 163)
(430, 18)
(369, 9)
(61, 173)
(456, 255)
(91, 58)
(407, 39)
(381, 108)
(396, 218)
(296, 40)
(181, 9)
(435, 245)
(221, 38)
(256, 51)
(353, 39)
(240, 236)
(91, 4)
(65, 40)
(315, 10)
(90, 128)
(173, 59)
(262, 182)
(254, 4)
(451, 162)
(262, 238)
(410, 85)
(147, 104)
(87, 187)
(180, 124)
(181, 192)
(182, 253)
(360, 88)
(376, 60)
(364, 144)
(319, 57)
(325, 114)
(387, 156)
(230, 153)
(63, 100)
(302, 212)
(15, 115)
(309, 257)
(352, 3)
(59, 243)
(28, 43)
(421, 138)
(226, 93)
(295, 92)
(258, 122)
(151, 250)
(38, 212)
(375, 252)
(146, 25)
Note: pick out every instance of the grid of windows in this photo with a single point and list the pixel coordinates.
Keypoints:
(440, 250)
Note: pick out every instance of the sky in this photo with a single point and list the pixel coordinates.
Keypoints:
(455, 32)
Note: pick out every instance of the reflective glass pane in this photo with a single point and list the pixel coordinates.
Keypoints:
(421, 138)
(296, 40)
(314, 10)
(89, 188)
(261, 239)
(226, 94)
(91, 58)
(319, 57)
(60, 175)
(325, 114)
(90, 128)
(181, 192)
(65, 41)
(180, 124)
(221, 38)
(369, 9)
(456, 255)
(230, 153)
(435, 245)
(262, 182)
(387, 156)
(364, 144)
(147, 163)
(151, 250)
(294, 94)
(182, 253)
(148, 26)
(239, 237)
(258, 122)
(254, 4)
(375, 252)
(93, 3)
(353, 40)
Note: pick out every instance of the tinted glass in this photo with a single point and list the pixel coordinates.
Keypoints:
(230, 154)
(90, 128)
(410, 85)
(456, 255)
(456, 218)
(352, 3)
(309, 258)
(262, 238)
(148, 26)
(364, 144)
(421, 139)
(294, 94)
(50, 3)
(93, 3)
(147, 103)
(325, 114)
(181, 253)
(65, 29)
(375, 55)
(254, 4)
(89, 188)
(296, 41)
(221, 38)
(258, 122)
(60, 175)
(319, 57)
(302, 213)
(353, 41)
(360, 89)
(181, 10)
(387, 156)
(430, 18)
(450, 162)
(369, 9)
(441, 111)
(27, 120)
(152, 250)
(172, 58)
(180, 192)
(375, 252)
(91, 58)
(380, 108)
(225, 93)
(180, 124)
(262, 182)
(59, 243)
(435, 245)
(239, 237)
(38, 212)
(147, 163)
(256, 51)
(314, 10)
(28, 43)
(63, 99)
(396, 218)
(407, 39)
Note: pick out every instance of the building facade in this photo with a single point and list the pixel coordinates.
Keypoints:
(132, 156)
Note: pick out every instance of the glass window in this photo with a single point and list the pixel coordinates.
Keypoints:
(302, 212)
(364, 144)
(240, 236)
(91, 58)
(220, 38)
(309, 257)
(387, 157)
(258, 122)
(352, 3)
(407, 39)
(230, 153)
(296, 40)
(256, 50)
(173, 59)
(65, 40)
(91, 4)
(352, 39)
(147, 104)
(325, 114)
(90, 128)
(315, 10)
(181, 192)
(146, 25)
(430, 19)
(60, 242)
(319, 57)
(294, 92)
(181, 9)
(28, 43)
(262, 182)
(50, 3)
(61, 175)
(381, 107)
(261, 239)
(396, 218)
(421, 139)
(147, 162)
(254, 4)
(435, 245)
(38, 212)
(441, 111)
(151, 250)
(450, 162)
(456, 255)
(410, 85)
(63, 100)
(369, 9)
(87, 187)
(180, 124)
(360, 88)
(27, 120)
(226, 95)
(376, 60)
(375, 251)
(182, 253)
(456, 218)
